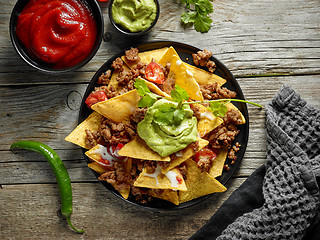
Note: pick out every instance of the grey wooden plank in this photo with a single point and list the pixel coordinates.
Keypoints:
(33, 210)
(273, 37)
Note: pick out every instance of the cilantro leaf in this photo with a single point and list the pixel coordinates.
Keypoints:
(204, 6)
(202, 23)
(147, 97)
(169, 114)
(141, 86)
(198, 14)
(164, 115)
(218, 108)
(179, 94)
(188, 17)
(146, 101)
(178, 116)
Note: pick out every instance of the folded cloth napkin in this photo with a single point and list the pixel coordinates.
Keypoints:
(281, 199)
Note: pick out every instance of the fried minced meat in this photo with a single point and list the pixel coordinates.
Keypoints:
(126, 77)
(202, 58)
(117, 64)
(138, 115)
(111, 132)
(104, 79)
(141, 195)
(183, 170)
(224, 134)
(196, 111)
(132, 54)
(168, 84)
(205, 163)
(213, 91)
(118, 177)
(233, 151)
(109, 91)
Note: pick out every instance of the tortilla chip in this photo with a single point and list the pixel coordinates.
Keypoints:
(124, 192)
(137, 148)
(120, 108)
(183, 155)
(93, 155)
(231, 106)
(204, 77)
(154, 88)
(95, 166)
(183, 76)
(167, 194)
(218, 163)
(146, 57)
(207, 121)
(198, 183)
(78, 135)
(157, 180)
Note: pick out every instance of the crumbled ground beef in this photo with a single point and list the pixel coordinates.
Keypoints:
(132, 55)
(166, 69)
(117, 177)
(124, 77)
(139, 70)
(112, 133)
(140, 195)
(196, 111)
(90, 139)
(233, 151)
(205, 163)
(212, 91)
(109, 91)
(117, 64)
(150, 166)
(183, 170)
(168, 85)
(202, 58)
(138, 115)
(223, 135)
(104, 79)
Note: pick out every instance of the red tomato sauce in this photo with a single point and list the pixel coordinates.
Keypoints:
(59, 32)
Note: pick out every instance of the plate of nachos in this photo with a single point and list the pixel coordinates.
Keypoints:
(162, 125)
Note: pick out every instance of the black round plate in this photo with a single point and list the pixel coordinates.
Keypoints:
(185, 52)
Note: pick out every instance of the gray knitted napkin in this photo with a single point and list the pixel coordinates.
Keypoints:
(290, 190)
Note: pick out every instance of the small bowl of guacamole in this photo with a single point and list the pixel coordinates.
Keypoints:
(134, 17)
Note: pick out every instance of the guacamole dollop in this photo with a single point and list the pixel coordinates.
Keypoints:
(134, 15)
(167, 139)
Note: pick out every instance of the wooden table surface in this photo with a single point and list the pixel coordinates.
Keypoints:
(265, 44)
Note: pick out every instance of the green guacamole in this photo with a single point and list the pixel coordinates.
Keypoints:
(134, 15)
(168, 139)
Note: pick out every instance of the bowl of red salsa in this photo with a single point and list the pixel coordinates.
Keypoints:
(56, 36)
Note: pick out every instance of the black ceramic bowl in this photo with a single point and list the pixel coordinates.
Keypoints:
(126, 31)
(45, 67)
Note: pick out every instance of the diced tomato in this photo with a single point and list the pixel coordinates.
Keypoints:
(154, 73)
(179, 179)
(95, 97)
(105, 162)
(113, 150)
(205, 153)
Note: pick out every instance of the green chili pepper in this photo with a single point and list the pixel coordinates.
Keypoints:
(60, 172)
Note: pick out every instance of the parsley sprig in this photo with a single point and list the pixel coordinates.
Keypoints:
(173, 113)
(198, 14)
